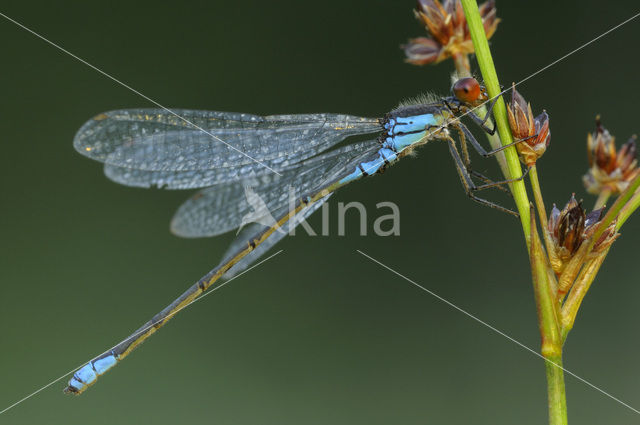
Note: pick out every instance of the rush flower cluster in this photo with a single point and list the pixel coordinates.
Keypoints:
(572, 227)
(448, 30)
(533, 132)
(609, 170)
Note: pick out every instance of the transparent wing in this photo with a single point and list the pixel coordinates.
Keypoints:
(326, 185)
(222, 208)
(227, 145)
(194, 178)
(251, 231)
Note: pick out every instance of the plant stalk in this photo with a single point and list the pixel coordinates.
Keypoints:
(603, 197)
(616, 209)
(542, 214)
(485, 61)
(548, 322)
(556, 391)
(548, 309)
(628, 209)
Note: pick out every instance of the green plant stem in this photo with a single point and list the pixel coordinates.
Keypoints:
(628, 209)
(552, 257)
(556, 391)
(485, 61)
(542, 211)
(603, 197)
(548, 320)
(616, 209)
(537, 195)
(548, 310)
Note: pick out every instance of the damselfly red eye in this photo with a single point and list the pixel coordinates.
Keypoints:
(467, 90)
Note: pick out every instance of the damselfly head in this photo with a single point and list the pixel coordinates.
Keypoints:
(469, 91)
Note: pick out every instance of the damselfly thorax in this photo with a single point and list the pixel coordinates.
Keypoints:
(223, 152)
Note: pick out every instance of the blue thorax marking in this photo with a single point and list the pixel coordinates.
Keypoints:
(401, 132)
(405, 131)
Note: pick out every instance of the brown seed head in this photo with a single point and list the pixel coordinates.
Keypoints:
(534, 131)
(571, 227)
(448, 30)
(609, 170)
(567, 227)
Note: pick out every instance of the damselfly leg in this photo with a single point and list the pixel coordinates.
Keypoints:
(485, 179)
(151, 148)
(463, 166)
(469, 185)
(482, 122)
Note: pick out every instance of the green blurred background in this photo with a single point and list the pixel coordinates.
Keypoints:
(319, 334)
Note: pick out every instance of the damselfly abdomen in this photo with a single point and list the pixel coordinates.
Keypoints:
(225, 152)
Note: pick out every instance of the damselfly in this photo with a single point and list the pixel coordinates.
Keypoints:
(224, 152)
